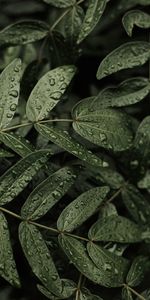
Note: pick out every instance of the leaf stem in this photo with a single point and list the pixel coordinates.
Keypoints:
(55, 120)
(16, 126)
(114, 196)
(38, 122)
(117, 193)
(79, 2)
(59, 19)
(10, 213)
(78, 287)
(77, 236)
(43, 226)
(134, 292)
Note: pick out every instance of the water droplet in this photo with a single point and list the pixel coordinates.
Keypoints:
(13, 107)
(107, 267)
(9, 115)
(13, 93)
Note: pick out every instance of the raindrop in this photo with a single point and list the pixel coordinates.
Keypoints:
(107, 267)
(14, 93)
(9, 115)
(13, 107)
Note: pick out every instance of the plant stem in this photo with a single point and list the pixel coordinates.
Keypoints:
(55, 120)
(16, 126)
(43, 226)
(79, 2)
(40, 225)
(59, 19)
(78, 287)
(117, 193)
(38, 122)
(134, 292)
(10, 213)
(77, 237)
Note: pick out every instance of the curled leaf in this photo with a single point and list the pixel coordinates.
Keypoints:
(126, 56)
(135, 17)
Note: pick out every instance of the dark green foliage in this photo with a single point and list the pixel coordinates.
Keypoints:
(74, 150)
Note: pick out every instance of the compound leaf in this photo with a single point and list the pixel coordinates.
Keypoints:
(23, 32)
(114, 267)
(7, 264)
(48, 193)
(17, 143)
(77, 254)
(126, 56)
(108, 128)
(48, 91)
(135, 17)
(93, 14)
(39, 258)
(115, 229)
(79, 210)
(9, 91)
(16, 178)
(64, 140)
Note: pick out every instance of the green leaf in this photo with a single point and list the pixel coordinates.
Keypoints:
(83, 207)
(107, 210)
(85, 294)
(142, 142)
(77, 254)
(48, 193)
(13, 181)
(129, 92)
(72, 23)
(126, 294)
(137, 205)
(135, 17)
(16, 143)
(48, 91)
(9, 91)
(115, 229)
(65, 141)
(93, 14)
(144, 183)
(60, 3)
(4, 153)
(7, 264)
(108, 128)
(46, 292)
(69, 287)
(137, 271)
(145, 294)
(113, 267)
(110, 177)
(23, 32)
(126, 56)
(39, 258)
